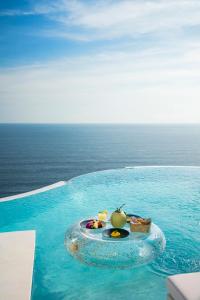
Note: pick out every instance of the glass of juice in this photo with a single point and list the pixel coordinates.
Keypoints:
(102, 215)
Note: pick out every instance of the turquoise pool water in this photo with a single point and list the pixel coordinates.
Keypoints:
(171, 196)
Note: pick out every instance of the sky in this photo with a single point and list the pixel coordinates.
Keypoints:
(120, 61)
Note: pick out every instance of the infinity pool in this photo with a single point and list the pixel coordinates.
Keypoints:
(169, 195)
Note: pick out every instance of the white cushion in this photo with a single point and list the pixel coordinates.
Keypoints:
(184, 286)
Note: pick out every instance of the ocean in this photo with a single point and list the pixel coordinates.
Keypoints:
(35, 155)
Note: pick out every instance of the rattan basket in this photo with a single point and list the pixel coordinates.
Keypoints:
(138, 227)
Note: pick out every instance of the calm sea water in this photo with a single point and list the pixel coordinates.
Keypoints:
(32, 156)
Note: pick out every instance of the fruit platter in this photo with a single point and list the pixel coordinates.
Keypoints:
(115, 240)
(92, 224)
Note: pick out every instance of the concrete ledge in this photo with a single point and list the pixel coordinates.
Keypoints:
(184, 286)
(41, 190)
(16, 264)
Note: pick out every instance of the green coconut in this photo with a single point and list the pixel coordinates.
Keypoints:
(118, 217)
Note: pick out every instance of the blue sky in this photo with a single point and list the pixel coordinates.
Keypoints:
(100, 61)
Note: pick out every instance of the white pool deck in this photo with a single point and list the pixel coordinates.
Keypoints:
(17, 251)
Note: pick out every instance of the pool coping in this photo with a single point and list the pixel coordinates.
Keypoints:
(33, 192)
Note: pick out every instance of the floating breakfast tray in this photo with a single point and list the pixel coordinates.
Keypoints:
(96, 247)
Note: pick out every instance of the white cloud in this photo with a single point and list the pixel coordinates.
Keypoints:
(117, 19)
(41, 9)
(14, 12)
(140, 81)
(150, 86)
(99, 20)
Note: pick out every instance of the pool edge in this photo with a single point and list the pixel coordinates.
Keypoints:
(33, 192)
